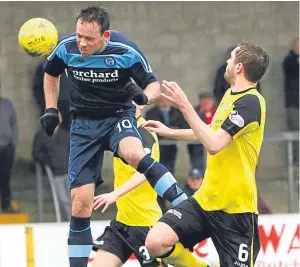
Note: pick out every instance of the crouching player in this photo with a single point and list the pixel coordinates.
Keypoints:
(138, 210)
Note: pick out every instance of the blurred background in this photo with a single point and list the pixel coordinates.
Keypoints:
(187, 42)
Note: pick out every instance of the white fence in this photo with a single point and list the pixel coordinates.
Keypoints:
(45, 245)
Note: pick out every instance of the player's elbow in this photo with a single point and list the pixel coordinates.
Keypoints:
(153, 91)
(212, 150)
(218, 142)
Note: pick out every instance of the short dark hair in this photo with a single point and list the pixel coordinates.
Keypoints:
(254, 59)
(96, 14)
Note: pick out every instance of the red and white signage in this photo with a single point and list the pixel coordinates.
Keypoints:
(279, 235)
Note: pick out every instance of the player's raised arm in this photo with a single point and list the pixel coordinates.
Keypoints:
(212, 141)
(53, 67)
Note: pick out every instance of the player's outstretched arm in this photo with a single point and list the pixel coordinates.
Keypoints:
(212, 141)
(162, 130)
(109, 198)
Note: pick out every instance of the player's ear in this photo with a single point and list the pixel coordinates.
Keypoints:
(239, 68)
(106, 34)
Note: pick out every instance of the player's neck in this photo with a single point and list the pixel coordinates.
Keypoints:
(242, 85)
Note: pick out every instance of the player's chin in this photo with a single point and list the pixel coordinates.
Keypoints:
(85, 53)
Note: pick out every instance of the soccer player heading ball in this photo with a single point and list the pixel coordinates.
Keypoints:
(101, 65)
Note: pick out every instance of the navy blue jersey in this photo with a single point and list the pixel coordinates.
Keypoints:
(97, 81)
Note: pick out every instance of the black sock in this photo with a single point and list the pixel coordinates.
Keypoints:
(80, 241)
(161, 180)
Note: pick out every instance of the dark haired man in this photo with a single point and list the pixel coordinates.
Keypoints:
(225, 206)
(101, 65)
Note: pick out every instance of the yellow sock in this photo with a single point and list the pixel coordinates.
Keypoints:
(181, 257)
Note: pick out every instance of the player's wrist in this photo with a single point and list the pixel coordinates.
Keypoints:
(186, 107)
(171, 133)
(116, 194)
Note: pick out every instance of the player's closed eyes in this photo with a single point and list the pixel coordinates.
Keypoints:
(87, 38)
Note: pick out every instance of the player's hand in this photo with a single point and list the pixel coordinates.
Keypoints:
(174, 94)
(104, 199)
(157, 127)
(136, 93)
(50, 120)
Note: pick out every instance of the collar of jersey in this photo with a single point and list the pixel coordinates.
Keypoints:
(241, 92)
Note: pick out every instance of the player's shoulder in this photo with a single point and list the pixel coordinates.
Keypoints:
(66, 44)
(67, 39)
(119, 39)
(251, 97)
(252, 102)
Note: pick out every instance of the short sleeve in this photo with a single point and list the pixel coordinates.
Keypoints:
(140, 69)
(56, 61)
(245, 116)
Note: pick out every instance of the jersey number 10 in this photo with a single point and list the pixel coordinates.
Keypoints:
(125, 124)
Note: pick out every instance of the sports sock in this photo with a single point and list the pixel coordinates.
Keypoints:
(80, 241)
(181, 257)
(161, 180)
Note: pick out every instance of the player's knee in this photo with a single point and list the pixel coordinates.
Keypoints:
(157, 243)
(153, 245)
(82, 200)
(134, 158)
(160, 239)
(131, 151)
(81, 209)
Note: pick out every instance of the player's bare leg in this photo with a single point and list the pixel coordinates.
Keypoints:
(163, 242)
(159, 177)
(104, 258)
(160, 239)
(82, 200)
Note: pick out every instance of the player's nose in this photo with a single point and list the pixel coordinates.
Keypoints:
(82, 44)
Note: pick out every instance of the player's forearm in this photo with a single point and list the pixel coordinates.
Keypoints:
(202, 131)
(152, 91)
(182, 134)
(50, 89)
(135, 180)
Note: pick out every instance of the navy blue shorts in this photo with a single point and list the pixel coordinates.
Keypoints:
(89, 138)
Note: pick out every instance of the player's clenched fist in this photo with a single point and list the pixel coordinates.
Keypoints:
(136, 93)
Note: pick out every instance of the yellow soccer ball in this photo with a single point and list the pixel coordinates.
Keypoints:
(38, 37)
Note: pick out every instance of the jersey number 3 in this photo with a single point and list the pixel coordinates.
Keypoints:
(145, 253)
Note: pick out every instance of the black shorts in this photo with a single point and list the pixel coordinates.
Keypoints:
(89, 138)
(122, 240)
(235, 236)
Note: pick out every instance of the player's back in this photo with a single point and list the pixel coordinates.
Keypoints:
(138, 207)
(229, 183)
(97, 81)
